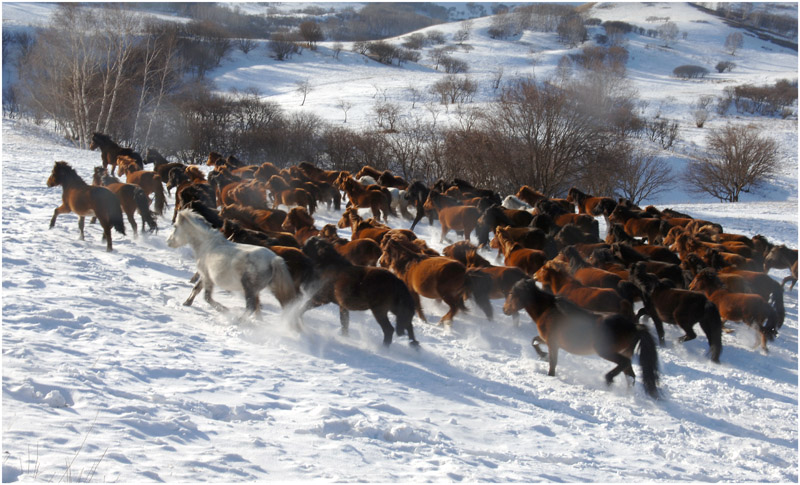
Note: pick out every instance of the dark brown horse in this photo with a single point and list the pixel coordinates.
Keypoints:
(563, 325)
(664, 303)
(354, 287)
(109, 151)
(588, 204)
(528, 260)
(131, 198)
(738, 307)
(86, 200)
(300, 223)
(257, 220)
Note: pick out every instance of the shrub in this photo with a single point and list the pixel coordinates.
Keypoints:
(689, 71)
(414, 41)
(723, 66)
(452, 65)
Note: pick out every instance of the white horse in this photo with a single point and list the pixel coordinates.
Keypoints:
(231, 266)
(514, 202)
(399, 202)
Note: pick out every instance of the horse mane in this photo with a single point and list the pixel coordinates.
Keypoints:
(66, 171)
(575, 259)
(299, 218)
(102, 138)
(322, 251)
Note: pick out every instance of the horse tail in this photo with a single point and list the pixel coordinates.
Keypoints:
(312, 204)
(772, 324)
(108, 209)
(143, 205)
(337, 199)
(403, 309)
(160, 199)
(479, 285)
(648, 360)
(711, 323)
(281, 284)
(777, 303)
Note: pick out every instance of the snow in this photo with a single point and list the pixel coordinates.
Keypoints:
(107, 377)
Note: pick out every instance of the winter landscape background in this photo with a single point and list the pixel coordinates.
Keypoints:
(107, 377)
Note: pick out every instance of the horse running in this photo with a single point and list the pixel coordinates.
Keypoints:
(563, 325)
(231, 266)
(86, 200)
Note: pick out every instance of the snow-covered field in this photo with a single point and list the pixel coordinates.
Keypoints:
(107, 377)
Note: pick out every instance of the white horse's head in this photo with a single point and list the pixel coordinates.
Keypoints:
(181, 233)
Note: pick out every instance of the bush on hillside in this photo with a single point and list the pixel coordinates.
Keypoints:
(689, 71)
(723, 66)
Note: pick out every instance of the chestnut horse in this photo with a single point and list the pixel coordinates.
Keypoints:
(85, 200)
(365, 197)
(436, 277)
(299, 222)
(588, 204)
(602, 300)
(148, 180)
(258, 220)
(131, 198)
(738, 307)
(563, 325)
(363, 252)
(664, 303)
(355, 287)
(528, 260)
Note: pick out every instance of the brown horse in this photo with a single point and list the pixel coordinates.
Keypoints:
(318, 174)
(664, 303)
(364, 197)
(86, 200)
(148, 180)
(370, 228)
(355, 287)
(588, 204)
(257, 220)
(738, 307)
(363, 252)
(131, 198)
(503, 278)
(283, 193)
(563, 325)
(436, 277)
(459, 218)
(109, 151)
(236, 231)
(528, 260)
(638, 224)
(299, 222)
(781, 257)
(601, 300)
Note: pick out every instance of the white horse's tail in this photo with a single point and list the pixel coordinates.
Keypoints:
(282, 284)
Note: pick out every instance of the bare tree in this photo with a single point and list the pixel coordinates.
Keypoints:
(454, 89)
(312, 33)
(344, 106)
(739, 158)
(245, 45)
(282, 45)
(463, 33)
(303, 87)
(668, 32)
(337, 48)
(733, 42)
(497, 77)
(642, 175)
(386, 116)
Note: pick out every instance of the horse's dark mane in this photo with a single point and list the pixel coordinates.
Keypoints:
(323, 253)
(209, 214)
(576, 262)
(67, 173)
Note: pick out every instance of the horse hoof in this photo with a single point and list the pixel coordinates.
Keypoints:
(414, 344)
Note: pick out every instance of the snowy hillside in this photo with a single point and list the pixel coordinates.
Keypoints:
(108, 378)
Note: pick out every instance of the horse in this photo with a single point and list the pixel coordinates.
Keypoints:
(86, 200)
(299, 222)
(369, 229)
(109, 151)
(362, 252)
(231, 266)
(257, 220)
(514, 202)
(503, 278)
(588, 204)
(387, 179)
(149, 181)
(364, 197)
(563, 325)
(458, 218)
(528, 260)
(417, 193)
(638, 224)
(751, 309)
(602, 300)
(131, 198)
(781, 257)
(355, 287)
(665, 303)
(236, 231)
(283, 193)
(436, 277)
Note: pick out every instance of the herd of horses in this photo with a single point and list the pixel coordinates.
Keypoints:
(579, 288)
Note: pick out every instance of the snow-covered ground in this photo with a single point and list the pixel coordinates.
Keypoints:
(107, 377)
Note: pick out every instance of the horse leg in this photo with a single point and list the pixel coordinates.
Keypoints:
(515, 319)
(81, 221)
(535, 343)
(132, 220)
(386, 326)
(418, 306)
(107, 235)
(453, 303)
(344, 320)
(623, 364)
(197, 287)
(553, 358)
(62, 209)
(252, 302)
(209, 288)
